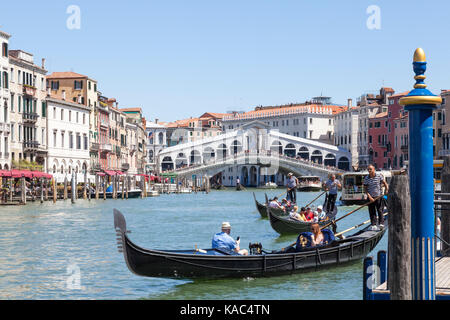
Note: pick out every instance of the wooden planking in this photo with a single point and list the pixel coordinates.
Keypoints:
(442, 278)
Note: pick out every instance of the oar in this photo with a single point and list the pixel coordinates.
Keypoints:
(351, 212)
(357, 226)
(315, 199)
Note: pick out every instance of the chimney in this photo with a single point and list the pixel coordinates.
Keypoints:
(156, 121)
(64, 94)
(43, 63)
(350, 102)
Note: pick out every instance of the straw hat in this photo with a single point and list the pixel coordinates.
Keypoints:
(319, 208)
(226, 225)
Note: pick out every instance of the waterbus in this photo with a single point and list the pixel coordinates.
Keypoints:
(438, 165)
(353, 189)
(309, 183)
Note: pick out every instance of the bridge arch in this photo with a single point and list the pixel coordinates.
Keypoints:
(236, 147)
(304, 153)
(181, 160)
(167, 164)
(290, 150)
(208, 154)
(222, 151)
(317, 157)
(195, 157)
(344, 164)
(330, 160)
(276, 147)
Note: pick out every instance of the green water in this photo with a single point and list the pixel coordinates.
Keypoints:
(45, 247)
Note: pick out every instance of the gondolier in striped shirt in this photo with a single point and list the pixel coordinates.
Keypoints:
(291, 184)
(372, 187)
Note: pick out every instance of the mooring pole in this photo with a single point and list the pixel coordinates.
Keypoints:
(420, 104)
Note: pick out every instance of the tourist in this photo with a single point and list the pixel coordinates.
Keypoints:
(309, 214)
(332, 186)
(321, 214)
(275, 204)
(317, 237)
(295, 215)
(292, 183)
(372, 186)
(223, 240)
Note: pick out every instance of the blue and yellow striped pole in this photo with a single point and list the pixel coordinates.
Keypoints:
(420, 104)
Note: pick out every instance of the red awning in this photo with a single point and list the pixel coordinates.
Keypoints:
(5, 174)
(110, 172)
(39, 174)
(21, 173)
(120, 173)
(101, 174)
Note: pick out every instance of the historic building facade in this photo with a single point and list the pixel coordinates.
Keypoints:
(5, 101)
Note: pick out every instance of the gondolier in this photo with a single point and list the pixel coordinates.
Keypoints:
(332, 186)
(292, 183)
(372, 188)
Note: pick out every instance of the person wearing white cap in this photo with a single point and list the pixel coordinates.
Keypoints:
(223, 240)
(321, 214)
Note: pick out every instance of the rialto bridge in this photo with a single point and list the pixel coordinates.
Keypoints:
(254, 154)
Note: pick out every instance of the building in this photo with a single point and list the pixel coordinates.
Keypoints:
(156, 142)
(400, 150)
(104, 145)
(28, 109)
(378, 141)
(81, 89)
(68, 139)
(136, 140)
(5, 101)
(444, 150)
(307, 120)
(369, 105)
(346, 129)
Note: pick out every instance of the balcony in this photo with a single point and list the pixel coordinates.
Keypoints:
(95, 146)
(96, 166)
(4, 127)
(105, 147)
(29, 146)
(125, 166)
(404, 148)
(30, 117)
(29, 90)
(104, 124)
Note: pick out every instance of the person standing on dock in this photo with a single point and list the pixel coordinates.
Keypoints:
(372, 187)
(332, 186)
(292, 183)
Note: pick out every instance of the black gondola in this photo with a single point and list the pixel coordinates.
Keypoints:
(215, 263)
(262, 208)
(287, 225)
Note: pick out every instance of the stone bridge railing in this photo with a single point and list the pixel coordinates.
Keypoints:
(255, 158)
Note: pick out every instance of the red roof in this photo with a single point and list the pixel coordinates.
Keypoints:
(66, 75)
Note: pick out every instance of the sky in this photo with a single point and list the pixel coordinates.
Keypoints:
(178, 59)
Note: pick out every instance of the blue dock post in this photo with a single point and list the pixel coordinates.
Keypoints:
(420, 104)
(367, 277)
(382, 263)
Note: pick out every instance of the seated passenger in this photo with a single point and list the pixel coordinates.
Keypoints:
(303, 214)
(321, 214)
(295, 215)
(275, 204)
(317, 237)
(223, 240)
(309, 214)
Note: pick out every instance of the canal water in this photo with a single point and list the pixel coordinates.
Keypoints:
(68, 251)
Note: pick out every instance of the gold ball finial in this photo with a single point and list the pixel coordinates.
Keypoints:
(419, 55)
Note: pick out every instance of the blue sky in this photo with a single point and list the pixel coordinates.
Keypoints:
(178, 59)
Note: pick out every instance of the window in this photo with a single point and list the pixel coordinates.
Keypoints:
(44, 109)
(62, 114)
(86, 144)
(70, 140)
(55, 85)
(62, 139)
(4, 49)
(54, 138)
(78, 85)
(54, 112)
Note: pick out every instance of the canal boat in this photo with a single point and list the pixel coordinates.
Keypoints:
(134, 193)
(353, 189)
(309, 183)
(262, 208)
(219, 263)
(269, 185)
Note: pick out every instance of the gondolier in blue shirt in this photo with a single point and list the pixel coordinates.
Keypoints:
(332, 186)
(372, 186)
(292, 183)
(223, 240)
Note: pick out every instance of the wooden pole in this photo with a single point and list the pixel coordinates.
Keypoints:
(42, 190)
(445, 214)
(24, 192)
(123, 187)
(85, 186)
(97, 186)
(54, 190)
(65, 188)
(399, 238)
(74, 188)
(46, 189)
(89, 189)
(104, 187)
